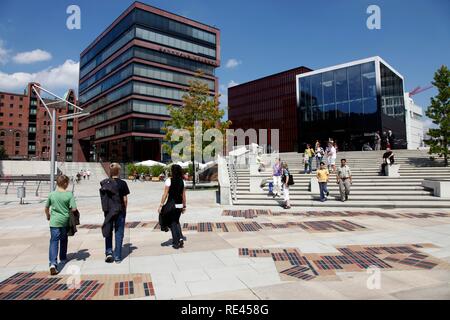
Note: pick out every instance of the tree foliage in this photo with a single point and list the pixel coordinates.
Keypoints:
(198, 105)
(439, 113)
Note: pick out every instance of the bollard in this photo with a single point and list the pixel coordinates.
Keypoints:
(21, 194)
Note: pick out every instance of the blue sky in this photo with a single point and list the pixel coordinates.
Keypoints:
(259, 37)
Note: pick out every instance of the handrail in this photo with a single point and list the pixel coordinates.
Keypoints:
(233, 178)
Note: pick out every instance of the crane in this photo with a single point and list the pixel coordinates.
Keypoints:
(419, 89)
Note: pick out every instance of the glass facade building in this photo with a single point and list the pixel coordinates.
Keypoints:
(350, 103)
(139, 65)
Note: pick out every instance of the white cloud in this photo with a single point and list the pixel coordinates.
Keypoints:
(232, 63)
(4, 55)
(64, 76)
(33, 56)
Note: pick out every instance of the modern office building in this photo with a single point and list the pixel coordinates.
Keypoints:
(131, 72)
(414, 123)
(25, 127)
(350, 102)
(267, 103)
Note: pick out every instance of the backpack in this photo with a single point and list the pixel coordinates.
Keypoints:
(291, 179)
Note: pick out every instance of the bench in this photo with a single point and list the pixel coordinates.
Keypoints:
(441, 188)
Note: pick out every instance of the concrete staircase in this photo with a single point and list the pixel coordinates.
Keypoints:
(368, 189)
(71, 168)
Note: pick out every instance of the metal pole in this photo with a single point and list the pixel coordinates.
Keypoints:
(53, 150)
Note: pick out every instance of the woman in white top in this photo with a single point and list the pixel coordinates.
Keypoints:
(331, 156)
(174, 190)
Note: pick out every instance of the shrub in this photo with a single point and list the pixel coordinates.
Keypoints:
(155, 171)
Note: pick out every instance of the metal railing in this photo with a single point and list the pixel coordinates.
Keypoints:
(233, 178)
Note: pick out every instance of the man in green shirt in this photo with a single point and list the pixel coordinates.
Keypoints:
(57, 209)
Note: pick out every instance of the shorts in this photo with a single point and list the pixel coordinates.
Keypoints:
(331, 160)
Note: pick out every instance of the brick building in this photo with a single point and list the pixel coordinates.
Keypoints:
(25, 127)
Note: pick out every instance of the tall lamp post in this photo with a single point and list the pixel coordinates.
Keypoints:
(53, 118)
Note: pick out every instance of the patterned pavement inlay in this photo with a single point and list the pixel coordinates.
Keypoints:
(244, 226)
(292, 264)
(253, 213)
(41, 286)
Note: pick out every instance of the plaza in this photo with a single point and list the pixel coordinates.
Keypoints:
(231, 252)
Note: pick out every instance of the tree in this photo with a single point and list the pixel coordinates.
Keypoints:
(3, 154)
(439, 113)
(198, 105)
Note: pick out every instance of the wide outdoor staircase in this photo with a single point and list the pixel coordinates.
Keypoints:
(70, 169)
(369, 189)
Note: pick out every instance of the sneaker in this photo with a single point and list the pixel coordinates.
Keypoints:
(181, 244)
(176, 246)
(346, 197)
(109, 259)
(117, 261)
(53, 270)
(328, 193)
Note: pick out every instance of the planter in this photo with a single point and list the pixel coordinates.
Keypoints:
(148, 178)
(130, 178)
(155, 178)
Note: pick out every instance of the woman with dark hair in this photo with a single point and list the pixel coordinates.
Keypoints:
(175, 194)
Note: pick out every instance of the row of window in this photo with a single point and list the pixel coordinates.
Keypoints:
(341, 85)
(139, 106)
(150, 55)
(138, 88)
(11, 97)
(174, 42)
(151, 20)
(360, 107)
(129, 125)
(11, 105)
(149, 36)
(143, 71)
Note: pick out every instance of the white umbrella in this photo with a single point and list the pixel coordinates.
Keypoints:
(150, 163)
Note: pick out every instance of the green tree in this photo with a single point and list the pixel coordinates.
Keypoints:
(198, 105)
(439, 112)
(3, 154)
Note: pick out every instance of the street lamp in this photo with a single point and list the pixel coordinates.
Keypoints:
(53, 118)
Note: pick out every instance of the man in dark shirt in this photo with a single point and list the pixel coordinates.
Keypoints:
(119, 220)
(388, 158)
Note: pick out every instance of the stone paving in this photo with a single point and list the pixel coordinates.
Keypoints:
(411, 248)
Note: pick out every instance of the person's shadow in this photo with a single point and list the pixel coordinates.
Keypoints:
(81, 255)
(127, 249)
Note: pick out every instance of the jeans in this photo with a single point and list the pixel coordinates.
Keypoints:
(310, 162)
(58, 238)
(318, 160)
(323, 190)
(175, 229)
(119, 229)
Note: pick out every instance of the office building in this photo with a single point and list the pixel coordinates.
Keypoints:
(129, 75)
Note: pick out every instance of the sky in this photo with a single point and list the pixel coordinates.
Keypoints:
(258, 37)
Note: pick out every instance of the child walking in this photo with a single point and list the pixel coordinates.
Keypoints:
(322, 177)
(57, 209)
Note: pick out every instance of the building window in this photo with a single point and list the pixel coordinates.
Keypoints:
(17, 143)
(11, 105)
(17, 135)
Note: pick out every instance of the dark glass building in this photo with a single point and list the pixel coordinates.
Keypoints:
(139, 65)
(267, 103)
(349, 103)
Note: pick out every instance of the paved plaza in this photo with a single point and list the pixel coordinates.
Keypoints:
(230, 252)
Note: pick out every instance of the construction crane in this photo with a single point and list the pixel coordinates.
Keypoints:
(419, 89)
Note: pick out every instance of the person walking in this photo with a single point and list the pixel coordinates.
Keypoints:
(286, 182)
(322, 177)
(84, 174)
(310, 152)
(377, 139)
(276, 177)
(319, 154)
(344, 180)
(114, 196)
(57, 210)
(331, 156)
(174, 197)
(88, 174)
